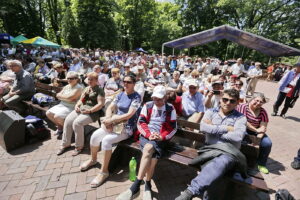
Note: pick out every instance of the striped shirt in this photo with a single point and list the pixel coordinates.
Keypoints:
(252, 119)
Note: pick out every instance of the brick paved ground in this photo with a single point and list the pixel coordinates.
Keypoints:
(35, 172)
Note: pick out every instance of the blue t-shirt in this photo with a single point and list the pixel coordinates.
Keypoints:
(124, 102)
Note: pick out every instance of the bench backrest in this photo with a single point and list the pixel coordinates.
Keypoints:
(47, 89)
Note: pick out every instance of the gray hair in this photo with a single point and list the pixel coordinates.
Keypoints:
(260, 95)
(72, 74)
(14, 63)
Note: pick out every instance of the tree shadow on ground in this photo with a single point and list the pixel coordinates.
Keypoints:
(275, 167)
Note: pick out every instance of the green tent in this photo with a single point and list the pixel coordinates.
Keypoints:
(18, 39)
(39, 41)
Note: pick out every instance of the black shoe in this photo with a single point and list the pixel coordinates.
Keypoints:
(59, 137)
(283, 116)
(295, 164)
(185, 195)
(274, 114)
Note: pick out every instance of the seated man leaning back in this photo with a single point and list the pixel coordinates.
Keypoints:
(224, 129)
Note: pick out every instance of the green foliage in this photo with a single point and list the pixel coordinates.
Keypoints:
(129, 24)
(95, 22)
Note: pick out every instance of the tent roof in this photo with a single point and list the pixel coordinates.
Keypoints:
(39, 41)
(18, 39)
(250, 40)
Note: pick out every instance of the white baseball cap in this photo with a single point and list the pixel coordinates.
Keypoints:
(159, 92)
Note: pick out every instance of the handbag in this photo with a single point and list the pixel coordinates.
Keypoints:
(116, 128)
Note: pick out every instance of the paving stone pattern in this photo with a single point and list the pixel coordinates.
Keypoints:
(35, 172)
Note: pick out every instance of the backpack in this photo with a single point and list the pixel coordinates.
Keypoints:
(35, 129)
(42, 99)
(283, 194)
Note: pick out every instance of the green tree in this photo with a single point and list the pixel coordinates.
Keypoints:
(21, 16)
(69, 30)
(95, 22)
(136, 21)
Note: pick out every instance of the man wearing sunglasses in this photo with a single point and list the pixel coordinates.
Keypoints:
(224, 128)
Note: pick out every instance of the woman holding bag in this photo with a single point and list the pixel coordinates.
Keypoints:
(114, 128)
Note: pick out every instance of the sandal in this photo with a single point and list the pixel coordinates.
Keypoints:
(76, 151)
(62, 150)
(87, 164)
(99, 179)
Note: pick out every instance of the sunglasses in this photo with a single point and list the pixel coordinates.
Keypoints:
(71, 78)
(231, 101)
(127, 82)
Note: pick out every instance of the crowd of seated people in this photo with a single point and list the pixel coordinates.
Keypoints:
(132, 92)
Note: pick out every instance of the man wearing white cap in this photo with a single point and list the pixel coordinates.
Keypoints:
(193, 103)
(157, 124)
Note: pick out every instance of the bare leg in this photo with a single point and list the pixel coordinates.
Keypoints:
(94, 152)
(60, 122)
(106, 159)
(145, 161)
(151, 169)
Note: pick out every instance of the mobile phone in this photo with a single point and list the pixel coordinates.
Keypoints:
(217, 92)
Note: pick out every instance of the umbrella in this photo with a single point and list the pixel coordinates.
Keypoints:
(5, 38)
(140, 50)
(18, 39)
(39, 41)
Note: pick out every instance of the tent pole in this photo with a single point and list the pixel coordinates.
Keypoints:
(243, 52)
(162, 50)
(298, 59)
(270, 60)
(173, 51)
(226, 51)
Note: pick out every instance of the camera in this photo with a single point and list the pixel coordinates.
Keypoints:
(216, 92)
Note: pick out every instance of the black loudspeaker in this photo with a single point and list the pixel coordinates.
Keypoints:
(12, 130)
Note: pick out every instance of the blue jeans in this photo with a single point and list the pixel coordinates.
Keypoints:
(212, 172)
(264, 149)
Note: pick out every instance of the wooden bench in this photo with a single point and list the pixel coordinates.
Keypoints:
(183, 155)
(45, 89)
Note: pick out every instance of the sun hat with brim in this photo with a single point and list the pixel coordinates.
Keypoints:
(192, 82)
(159, 92)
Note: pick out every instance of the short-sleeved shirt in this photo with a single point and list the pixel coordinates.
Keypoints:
(253, 120)
(89, 100)
(124, 102)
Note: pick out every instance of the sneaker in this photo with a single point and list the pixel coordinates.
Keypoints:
(262, 169)
(185, 195)
(274, 114)
(127, 195)
(283, 116)
(295, 164)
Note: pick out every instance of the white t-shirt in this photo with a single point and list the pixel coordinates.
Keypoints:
(237, 69)
(158, 117)
(254, 72)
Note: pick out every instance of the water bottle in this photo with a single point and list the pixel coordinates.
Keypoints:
(132, 169)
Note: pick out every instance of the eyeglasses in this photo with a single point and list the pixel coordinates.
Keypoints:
(231, 101)
(258, 101)
(71, 78)
(127, 82)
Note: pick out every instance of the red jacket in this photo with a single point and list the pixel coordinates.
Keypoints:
(168, 128)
